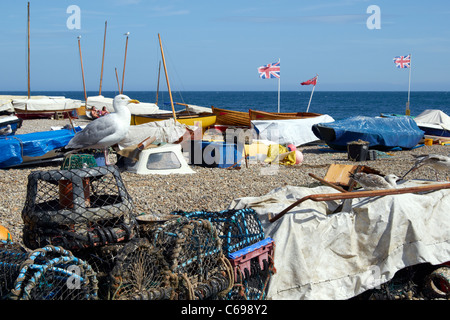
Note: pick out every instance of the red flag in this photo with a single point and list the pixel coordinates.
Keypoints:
(312, 81)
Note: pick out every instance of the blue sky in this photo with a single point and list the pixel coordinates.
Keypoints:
(218, 45)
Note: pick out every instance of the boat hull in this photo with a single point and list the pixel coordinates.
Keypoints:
(263, 115)
(381, 133)
(204, 119)
(231, 117)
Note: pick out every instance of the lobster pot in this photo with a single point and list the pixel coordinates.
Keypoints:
(77, 208)
(253, 268)
(49, 273)
(141, 273)
(237, 228)
(192, 250)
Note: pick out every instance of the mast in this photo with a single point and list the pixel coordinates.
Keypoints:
(157, 87)
(167, 79)
(117, 78)
(28, 36)
(103, 60)
(124, 61)
(82, 71)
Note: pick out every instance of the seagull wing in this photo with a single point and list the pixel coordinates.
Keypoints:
(95, 132)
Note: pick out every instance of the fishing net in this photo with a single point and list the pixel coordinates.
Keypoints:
(77, 208)
(49, 273)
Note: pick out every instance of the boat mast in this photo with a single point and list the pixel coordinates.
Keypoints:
(103, 60)
(167, 79)
(82, 71)
(117, 78)
(124, 61)
(28, 36)
(157, 87)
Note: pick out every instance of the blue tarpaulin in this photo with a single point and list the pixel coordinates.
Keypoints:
(381, 133)
(14, 148)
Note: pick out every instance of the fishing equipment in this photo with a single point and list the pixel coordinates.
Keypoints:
(77, 208)
(48, 273)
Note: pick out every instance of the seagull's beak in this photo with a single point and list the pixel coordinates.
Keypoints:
(133, 101)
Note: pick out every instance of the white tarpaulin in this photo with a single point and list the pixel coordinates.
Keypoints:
(135, 108)
(433, 118)
(46, 104)
(164, 131)
(296, 131)
(338, 256)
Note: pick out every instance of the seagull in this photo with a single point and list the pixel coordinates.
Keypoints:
(436, 161)
(126, 34)
(370, 181)
(105, 131)
(6, 130)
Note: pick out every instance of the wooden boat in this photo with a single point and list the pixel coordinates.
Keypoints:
(231, 117)
(241, 118)
(45, 107)
(263, 115)
(205, 119)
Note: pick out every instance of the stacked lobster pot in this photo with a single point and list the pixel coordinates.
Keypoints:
(83, 208)
(77, 208)
(246, 248)
(177, 258)
(48, 273)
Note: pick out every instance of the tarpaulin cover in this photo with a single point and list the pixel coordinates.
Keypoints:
(323, 255)
(381, 133)
(36, 144)
(295, 131)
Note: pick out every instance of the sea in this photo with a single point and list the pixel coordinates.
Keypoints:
(337, 104)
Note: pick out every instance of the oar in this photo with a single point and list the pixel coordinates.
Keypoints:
(360, 194)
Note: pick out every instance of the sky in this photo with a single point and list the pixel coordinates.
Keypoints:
(219, 45)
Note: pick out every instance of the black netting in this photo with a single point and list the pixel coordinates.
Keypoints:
(237, 228)
(49, 273)
(77, 208)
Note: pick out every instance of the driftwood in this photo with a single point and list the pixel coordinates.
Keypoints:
(360, 194)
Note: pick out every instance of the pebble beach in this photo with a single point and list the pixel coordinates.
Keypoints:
(211, 189)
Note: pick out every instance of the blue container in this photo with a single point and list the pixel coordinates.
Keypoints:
(216, 153)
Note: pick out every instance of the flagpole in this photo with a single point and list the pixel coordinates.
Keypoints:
(312, 92)
(408, 111)
(279, 78)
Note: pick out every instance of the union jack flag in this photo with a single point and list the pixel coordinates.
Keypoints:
(268, 71)
(403, 62)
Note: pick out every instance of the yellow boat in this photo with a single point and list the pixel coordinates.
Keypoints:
(205, 119)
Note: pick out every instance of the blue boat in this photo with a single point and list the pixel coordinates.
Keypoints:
(25, 148)
(381, 133)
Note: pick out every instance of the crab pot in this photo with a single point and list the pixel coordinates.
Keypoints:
(48, 273)
(77, 208)
(236, 228)
(193, 254)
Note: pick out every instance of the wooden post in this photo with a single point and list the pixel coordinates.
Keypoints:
(82, 72)
(124, 62)
(167, 79)
(103, 60)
